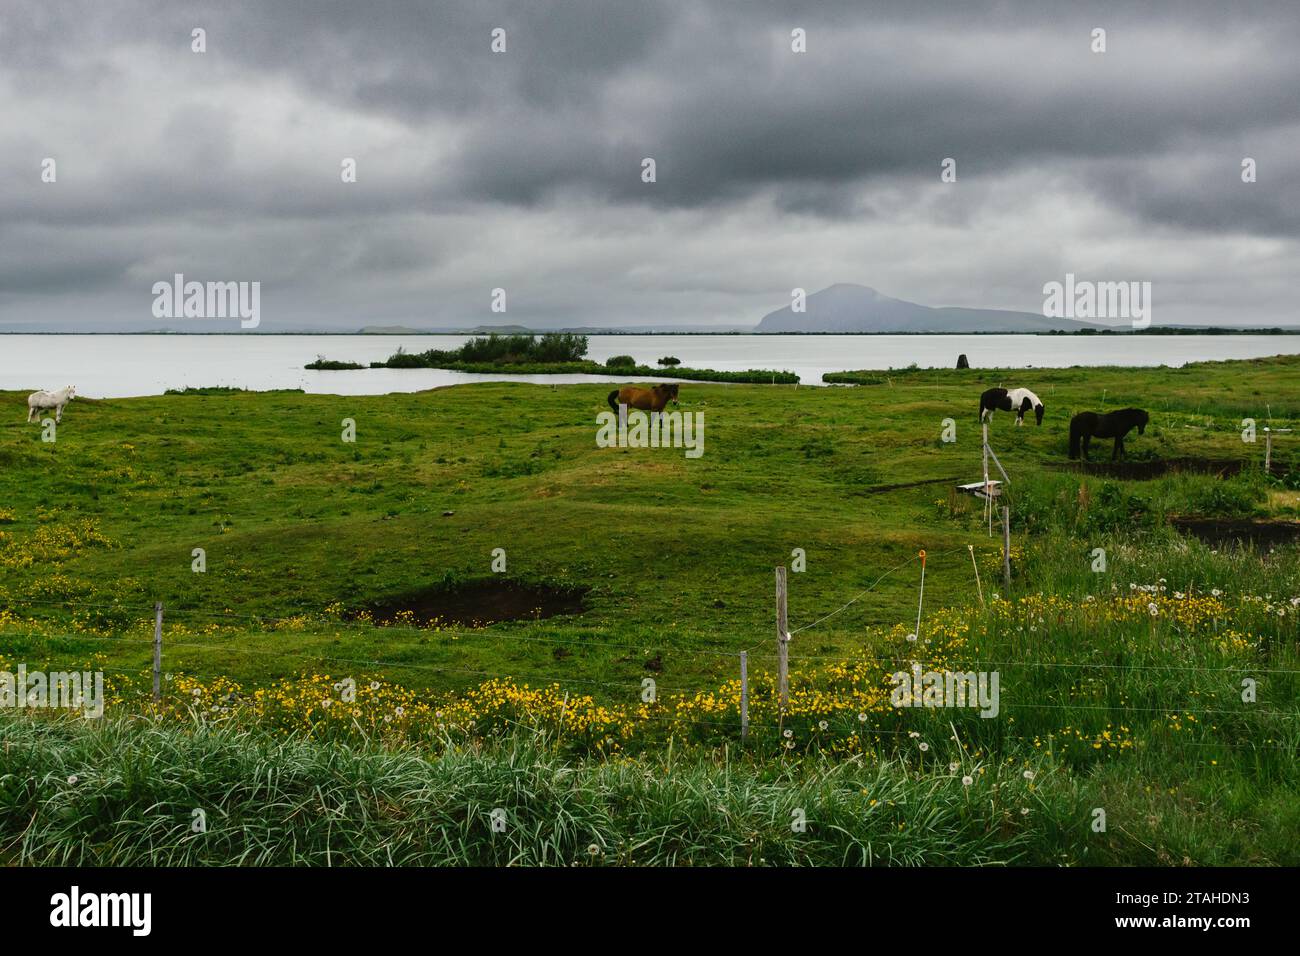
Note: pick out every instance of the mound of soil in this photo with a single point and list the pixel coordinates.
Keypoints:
(1227, 532)
(478, 604)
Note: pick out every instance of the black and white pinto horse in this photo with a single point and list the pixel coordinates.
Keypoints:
(1018, 400)
(1086, 426)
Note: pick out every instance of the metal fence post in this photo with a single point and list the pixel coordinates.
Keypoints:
(157, 651)
(744, 695)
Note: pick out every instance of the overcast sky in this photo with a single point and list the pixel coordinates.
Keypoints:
(522, 170)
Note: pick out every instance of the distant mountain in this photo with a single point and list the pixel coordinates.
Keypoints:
(845, 307)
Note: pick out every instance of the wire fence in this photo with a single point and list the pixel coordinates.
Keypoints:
(704, 660)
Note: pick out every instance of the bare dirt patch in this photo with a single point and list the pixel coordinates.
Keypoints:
(881, 489)
(1230, 532)
(477, 604)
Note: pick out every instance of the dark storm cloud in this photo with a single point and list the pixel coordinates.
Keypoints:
(774, 169)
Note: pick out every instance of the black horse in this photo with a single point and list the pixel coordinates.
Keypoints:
(1086, 426)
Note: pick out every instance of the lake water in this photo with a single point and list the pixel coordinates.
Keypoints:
(113, 366)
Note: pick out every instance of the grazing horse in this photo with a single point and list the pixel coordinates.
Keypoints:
(648, 399)
(1019, 400)
(39, 401)
(1088, 425)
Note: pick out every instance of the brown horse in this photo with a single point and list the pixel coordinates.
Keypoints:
(647, 399)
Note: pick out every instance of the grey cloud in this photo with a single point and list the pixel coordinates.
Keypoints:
(477, 170)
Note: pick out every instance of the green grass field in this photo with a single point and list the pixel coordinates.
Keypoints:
(676, 557)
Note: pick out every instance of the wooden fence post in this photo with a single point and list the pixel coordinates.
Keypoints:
(744, 695)
(157, 651)
(1268, 451)
(1006, 547)
(988, 493)
(782, 642)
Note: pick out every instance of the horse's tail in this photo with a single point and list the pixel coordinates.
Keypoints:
(1076, 435)
(613, 400)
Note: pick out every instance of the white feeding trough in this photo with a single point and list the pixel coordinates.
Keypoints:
(981, 490)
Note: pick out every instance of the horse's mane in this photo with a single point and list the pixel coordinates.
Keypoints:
(1133, 415)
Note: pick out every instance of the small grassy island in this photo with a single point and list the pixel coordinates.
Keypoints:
(552, 353)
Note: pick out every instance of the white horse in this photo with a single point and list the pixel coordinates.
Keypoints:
(39, 401)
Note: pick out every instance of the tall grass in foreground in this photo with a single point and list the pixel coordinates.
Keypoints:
(125, 792)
